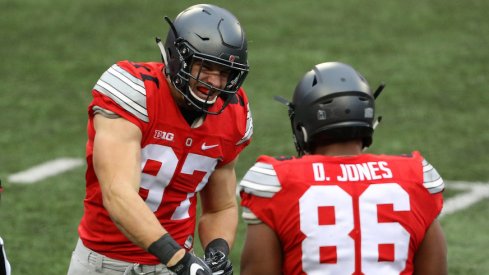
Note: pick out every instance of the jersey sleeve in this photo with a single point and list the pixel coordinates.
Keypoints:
(120, 90)
(432, 182)
(248, 129)
(256, 188)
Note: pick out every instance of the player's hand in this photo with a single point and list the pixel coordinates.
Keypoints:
(218, 262)
(190, 265)
(216, 257)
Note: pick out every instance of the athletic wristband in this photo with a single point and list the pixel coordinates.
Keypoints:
(164, 248)
(218, 244)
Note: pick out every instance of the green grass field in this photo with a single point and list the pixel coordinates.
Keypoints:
(431, 54)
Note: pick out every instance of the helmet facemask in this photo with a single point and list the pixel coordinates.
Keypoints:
(185, 79)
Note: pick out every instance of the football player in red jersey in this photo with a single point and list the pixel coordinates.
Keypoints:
(159, 134)
(335, 209)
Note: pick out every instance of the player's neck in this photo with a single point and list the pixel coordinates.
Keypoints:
(350, 148)
(193, 117)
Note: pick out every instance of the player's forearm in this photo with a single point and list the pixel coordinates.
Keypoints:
(221, 224)
(138, 223)
(133, 217)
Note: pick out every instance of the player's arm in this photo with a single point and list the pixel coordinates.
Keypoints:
(431, 256)
(219, 220)
(219, 206)
(261, 252)
(116, 159)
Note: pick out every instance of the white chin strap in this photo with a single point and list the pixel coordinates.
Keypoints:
(163, 52)
(304, 133)
(202, 100)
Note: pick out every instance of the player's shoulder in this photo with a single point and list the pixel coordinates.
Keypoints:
(135, 72)
(241, 97)
(124, 83)
(431, 179)
(238, 104)
(238, 111)
(261, 179)
(403, 157)
(275, 161)
(138, 69)
(404, 160)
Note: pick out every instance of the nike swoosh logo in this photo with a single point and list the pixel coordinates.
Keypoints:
(206, 147)
(194, 268)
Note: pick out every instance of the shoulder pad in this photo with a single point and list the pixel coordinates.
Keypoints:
(125, 89)
(261, 180)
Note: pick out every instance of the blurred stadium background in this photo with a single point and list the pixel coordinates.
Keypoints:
(431, 54)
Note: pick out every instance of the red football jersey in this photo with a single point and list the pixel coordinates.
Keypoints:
(363, 214)
(177, 160)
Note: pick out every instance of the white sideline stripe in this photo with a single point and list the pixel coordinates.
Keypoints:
(476, 191)
(45, 170)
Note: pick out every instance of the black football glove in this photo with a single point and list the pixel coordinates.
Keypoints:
(216, 258)
(191, 265)
(165, 248)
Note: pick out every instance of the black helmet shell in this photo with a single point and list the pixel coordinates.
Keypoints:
(207, 33)
(335, 100)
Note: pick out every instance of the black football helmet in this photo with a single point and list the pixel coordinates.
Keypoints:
(208, 34)
(332, 100)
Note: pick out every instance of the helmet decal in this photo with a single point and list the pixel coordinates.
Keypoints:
(369, 112)
(321, 115)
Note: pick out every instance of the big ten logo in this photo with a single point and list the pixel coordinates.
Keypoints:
(164, 135)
